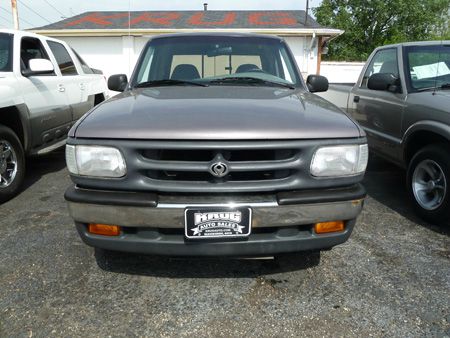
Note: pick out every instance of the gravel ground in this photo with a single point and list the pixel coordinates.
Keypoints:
(392, 278)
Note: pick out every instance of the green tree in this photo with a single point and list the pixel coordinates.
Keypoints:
(372, 23)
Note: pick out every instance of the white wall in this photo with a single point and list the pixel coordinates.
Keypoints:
(306, 58)
(341, 72)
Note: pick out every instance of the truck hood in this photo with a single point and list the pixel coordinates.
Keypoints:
(216, 113)
(444, 94)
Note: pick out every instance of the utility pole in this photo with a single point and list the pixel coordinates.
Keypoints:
(15, 14)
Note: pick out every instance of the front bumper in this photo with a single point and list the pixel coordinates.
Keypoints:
(154, 224)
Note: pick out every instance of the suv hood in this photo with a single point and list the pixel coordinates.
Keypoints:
(216, 113)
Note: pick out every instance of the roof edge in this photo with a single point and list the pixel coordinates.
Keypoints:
(331, 32)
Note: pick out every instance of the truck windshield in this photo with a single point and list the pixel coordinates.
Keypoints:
(5, 52)
(429, 66)
(216, 60)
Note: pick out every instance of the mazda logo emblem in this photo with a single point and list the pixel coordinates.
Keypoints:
(219, 169)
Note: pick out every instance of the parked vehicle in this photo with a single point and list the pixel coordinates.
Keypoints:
(402, 100)
(216, 147)
(44, 88)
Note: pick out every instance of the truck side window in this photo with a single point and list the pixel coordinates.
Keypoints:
(384, 61)
(63, 58)
(429, 66)
(31, 48)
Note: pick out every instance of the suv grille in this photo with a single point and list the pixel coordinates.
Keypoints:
(242, 165)
(200, 155)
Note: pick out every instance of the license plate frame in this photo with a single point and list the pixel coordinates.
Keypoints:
(203, 223)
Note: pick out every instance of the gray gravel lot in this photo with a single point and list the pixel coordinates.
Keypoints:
(392, 278)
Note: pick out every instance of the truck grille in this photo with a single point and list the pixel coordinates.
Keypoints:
(187, 166)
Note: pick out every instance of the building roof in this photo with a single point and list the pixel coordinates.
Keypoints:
(186, 20)
(160, 22)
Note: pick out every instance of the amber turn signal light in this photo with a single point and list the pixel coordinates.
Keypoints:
(326, 227)
(104, 229)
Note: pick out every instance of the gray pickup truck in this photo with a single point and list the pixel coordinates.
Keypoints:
(402, 100)
(216, 147)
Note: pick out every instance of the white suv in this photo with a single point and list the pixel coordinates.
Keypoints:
(45, 87)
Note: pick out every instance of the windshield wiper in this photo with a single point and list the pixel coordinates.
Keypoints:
(250, 80)
(168, 82)
(442, 86)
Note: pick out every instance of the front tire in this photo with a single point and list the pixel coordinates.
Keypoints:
(12, 164)
(428, 181)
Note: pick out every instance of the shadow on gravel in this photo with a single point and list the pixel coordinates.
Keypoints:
(171, 267)
(386, 183)
(38, 166)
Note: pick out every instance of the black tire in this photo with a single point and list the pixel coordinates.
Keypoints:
(9, 190)
(438, 214)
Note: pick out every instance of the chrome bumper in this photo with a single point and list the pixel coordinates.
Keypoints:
(265, 214)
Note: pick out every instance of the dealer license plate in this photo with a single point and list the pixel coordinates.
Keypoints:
(201, 223)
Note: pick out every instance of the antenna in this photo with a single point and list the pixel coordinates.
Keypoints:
(129, 17)
(129, 36)
(437, 66)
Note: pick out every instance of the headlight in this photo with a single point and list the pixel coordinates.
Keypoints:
(95, 161)
(335, 161)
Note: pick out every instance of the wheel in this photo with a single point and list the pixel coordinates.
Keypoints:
(428, 181)
(12, 164)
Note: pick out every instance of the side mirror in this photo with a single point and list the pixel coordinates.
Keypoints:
(39, 67)
(383, 81)
(317, 83)
(118, 82)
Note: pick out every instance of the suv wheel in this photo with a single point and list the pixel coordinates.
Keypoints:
(12, 164)
(429, 183)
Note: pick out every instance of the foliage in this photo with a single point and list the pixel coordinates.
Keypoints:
(372, 23)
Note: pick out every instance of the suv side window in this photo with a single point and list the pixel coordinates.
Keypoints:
(84, 65)
(384, 61)
(31, 48)
(6, 48)
(63, 58)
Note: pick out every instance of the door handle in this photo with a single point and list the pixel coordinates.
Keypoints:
(61, 88)
(82, 87)
(356, 99)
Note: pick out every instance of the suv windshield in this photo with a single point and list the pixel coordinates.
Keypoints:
(429, 66)
(5, 52)
(216, 61)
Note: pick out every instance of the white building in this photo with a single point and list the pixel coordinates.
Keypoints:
(112, 41)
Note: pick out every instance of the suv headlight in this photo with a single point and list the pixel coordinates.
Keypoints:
(338, 161)
(95, 161)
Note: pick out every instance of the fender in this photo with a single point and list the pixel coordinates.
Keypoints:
(436, 127)
(24, 118)
(24, 115)
(11, 98)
